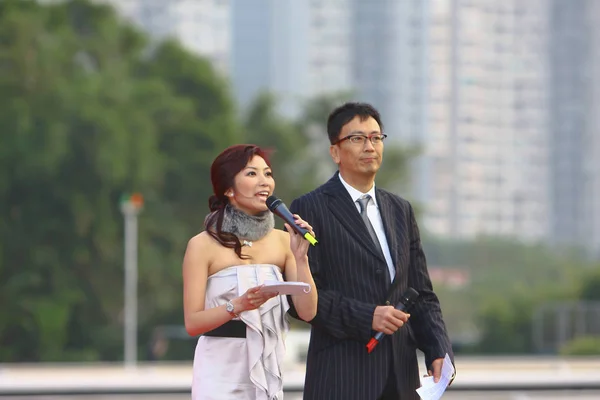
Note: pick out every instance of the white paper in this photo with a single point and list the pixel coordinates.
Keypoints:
(291, 288)
(433, 391)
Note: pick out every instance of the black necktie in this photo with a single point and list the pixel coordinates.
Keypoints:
(363, 202)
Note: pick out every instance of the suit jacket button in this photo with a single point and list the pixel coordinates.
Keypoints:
(378, 271)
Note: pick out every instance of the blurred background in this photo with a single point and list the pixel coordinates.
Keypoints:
(111, 112)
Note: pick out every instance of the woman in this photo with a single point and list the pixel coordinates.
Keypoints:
(241, 349)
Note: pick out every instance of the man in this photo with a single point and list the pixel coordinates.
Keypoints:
(365, 261)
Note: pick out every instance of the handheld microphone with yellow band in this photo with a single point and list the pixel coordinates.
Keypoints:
(278, 208)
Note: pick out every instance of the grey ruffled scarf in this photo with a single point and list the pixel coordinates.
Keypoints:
(248, 227)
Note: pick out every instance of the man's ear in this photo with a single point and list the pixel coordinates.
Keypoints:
(334, 151)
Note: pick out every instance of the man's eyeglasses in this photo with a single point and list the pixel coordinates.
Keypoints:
(362, 139)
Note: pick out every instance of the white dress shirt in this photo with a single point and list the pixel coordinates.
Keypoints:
(375, 218)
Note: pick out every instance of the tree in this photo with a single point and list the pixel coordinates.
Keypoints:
(88, 113)
(590, 285)
(584, 346)
(91, 109)
(290, 159)
(508, 282)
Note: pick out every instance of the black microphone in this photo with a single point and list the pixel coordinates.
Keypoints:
(278, 208)
(406, 302)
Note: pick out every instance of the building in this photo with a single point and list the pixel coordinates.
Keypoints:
(501, 96)
(574, 123)
(487, 144)
(295, 50)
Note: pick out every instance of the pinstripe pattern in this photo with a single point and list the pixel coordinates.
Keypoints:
(351, 279)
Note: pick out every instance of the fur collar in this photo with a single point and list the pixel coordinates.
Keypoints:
(244, 226)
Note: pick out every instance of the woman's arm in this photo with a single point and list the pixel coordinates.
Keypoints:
(297, 269)
(195, 276)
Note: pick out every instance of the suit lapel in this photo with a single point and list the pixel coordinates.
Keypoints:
(341, 206)
(388, 217)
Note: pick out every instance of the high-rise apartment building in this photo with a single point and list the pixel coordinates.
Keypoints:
(388, 62)
(465, 79)
(487, 144)
(293, 49)
(574, 123)
(389, 70)
(501, 95)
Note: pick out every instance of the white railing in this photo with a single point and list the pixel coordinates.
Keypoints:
(473, 373)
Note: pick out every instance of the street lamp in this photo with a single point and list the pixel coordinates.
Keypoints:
(131, 205)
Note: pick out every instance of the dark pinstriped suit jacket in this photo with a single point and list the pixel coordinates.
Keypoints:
(352, 280)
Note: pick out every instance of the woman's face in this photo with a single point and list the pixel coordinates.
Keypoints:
(252, 186)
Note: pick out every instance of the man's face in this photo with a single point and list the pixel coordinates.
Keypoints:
(358, 158)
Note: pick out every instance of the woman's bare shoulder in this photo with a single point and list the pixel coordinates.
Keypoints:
(283, 239)
(200, 241)
(200, 250)
(282, 235)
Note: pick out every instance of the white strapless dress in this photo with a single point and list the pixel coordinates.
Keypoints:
(243, 368)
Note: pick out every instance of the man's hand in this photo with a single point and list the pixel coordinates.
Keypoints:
(388, 320)
(437, 369)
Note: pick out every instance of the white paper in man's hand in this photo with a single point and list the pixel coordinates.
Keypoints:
(430, 390)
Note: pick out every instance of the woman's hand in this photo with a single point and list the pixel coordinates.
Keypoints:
(252, 299)
(298, 244)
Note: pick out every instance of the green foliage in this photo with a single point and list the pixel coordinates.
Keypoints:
(498, 265)
(87, 114)
(509, 281)
(506, 322)
(584, 346)
(91, 109)
(590, 286)
(394, 174)
(265, 127)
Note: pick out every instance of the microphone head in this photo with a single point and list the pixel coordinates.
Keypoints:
(410, 296)
(273, 202)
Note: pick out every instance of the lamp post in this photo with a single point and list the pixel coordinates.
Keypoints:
(131, 205)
